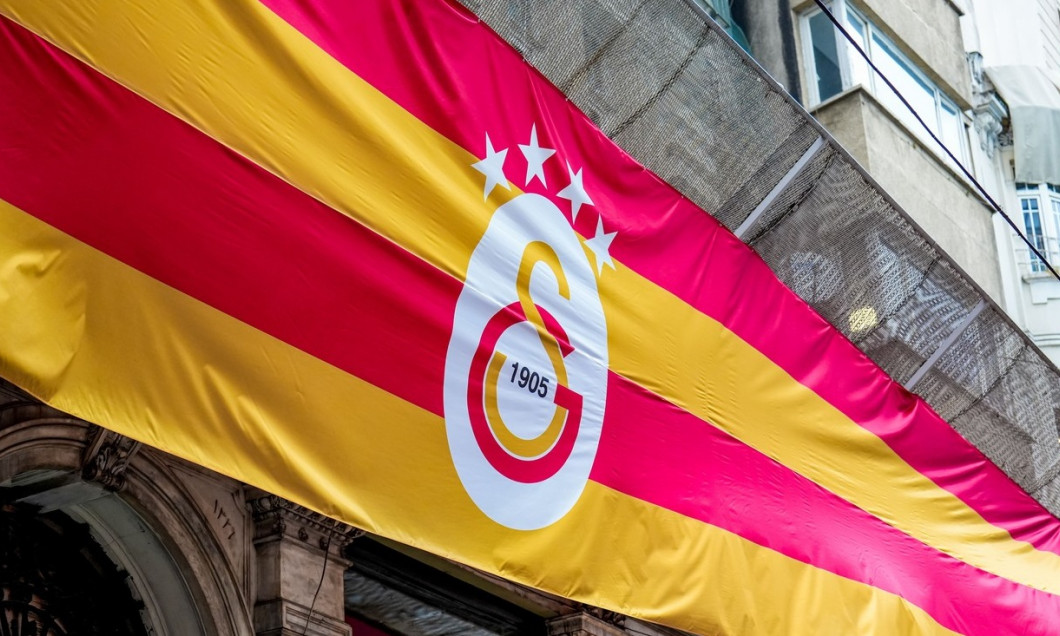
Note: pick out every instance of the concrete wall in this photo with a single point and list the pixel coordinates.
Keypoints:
(934, 196)
(929, 32)
(843, 116)
(770, 27)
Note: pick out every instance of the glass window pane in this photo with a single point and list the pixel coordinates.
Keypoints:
(859, 68)
(920, 94)
(825, 57)
(1032, 225)
(952, 130)
(1056, 228)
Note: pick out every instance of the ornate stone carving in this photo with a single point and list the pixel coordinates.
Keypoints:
(275, 517)
(989, 113)
(975, 67)
(988, 123)
(107, 457)
(294, 543)
(1005, 138)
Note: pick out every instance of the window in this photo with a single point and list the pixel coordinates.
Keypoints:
(1032, 226)
(1040, 208)
(721, 12)
(826, 63)
(834, 66)
(1055, 204)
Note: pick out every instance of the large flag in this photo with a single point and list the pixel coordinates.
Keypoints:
(362, 255)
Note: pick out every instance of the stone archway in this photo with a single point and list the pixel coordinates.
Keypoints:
(55, 579)
(148, 524)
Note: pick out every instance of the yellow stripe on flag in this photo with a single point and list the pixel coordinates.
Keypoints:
(248, 79)
(157, 365)
(740, 390)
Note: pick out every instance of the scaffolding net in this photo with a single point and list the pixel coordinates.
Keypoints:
(673, 90)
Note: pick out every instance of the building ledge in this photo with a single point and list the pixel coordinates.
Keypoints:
(928, 146)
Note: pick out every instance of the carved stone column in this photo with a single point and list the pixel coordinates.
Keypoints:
(299, 570)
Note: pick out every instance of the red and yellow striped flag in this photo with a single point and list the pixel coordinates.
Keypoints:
(363, 256)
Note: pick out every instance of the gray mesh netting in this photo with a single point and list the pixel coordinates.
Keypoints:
(670, 87)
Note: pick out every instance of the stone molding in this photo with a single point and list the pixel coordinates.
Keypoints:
(12, 413)
(277, 518)
(585, 623)
(34, 436)
(295, 545)
(617, 619)
(288, 618)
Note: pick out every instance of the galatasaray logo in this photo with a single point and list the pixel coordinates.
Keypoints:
(526, 368)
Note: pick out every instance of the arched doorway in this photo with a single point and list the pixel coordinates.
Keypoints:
(127, 511)
(55, 579)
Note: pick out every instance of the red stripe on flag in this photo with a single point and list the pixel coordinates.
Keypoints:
(662, 236)
(741, 490)
(153, 192)
(103, 165)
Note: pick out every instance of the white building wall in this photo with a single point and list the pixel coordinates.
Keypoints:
(1024, 33)
(1018, 32)
(1049, 20)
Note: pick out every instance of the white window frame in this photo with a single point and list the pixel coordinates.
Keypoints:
(843, 50)
(1054, 203)
(841, 9)
(1047, 196)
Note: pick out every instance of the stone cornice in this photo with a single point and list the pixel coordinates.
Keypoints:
(277, 518)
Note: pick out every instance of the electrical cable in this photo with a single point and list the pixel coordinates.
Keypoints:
(994, 204)
(320, 584)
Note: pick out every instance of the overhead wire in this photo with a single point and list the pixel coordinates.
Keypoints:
(320, 584)
(986, 195)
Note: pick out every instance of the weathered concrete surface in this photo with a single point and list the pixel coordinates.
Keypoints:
(929, 33)
(926, 31)
(946, 207)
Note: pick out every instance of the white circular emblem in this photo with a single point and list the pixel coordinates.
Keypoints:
(526, 368)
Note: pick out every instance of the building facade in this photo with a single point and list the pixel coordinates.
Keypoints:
(176, 549)
(100, 535)
(919, 47)
(962, 66)
(1017, 46)
(995, 109)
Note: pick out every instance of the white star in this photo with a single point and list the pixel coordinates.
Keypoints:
(600, 245)
(535, 157)
(575, 192)
(493, 167)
